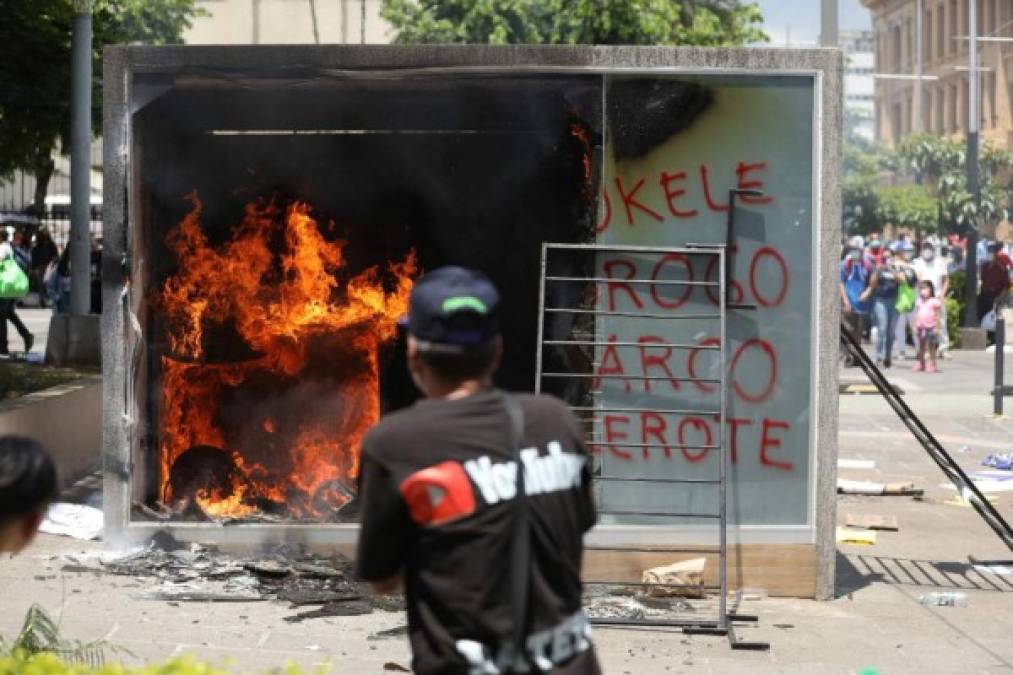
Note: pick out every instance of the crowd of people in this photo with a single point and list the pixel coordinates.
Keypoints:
(48, 269)
(894, 292)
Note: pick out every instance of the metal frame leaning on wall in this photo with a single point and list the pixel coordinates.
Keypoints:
(121, 63)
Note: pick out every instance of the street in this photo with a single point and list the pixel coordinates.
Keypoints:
(875, 621)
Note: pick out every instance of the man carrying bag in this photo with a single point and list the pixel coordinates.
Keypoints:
(477, 500)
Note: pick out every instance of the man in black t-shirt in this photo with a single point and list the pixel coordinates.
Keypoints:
(441, 504)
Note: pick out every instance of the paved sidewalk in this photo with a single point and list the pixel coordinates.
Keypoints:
(875, 621)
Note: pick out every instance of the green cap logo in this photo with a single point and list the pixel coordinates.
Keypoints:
(460, 302)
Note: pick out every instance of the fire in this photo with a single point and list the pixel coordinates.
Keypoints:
(310, 333)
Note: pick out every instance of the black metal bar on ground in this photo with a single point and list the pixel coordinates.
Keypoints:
(935, 450)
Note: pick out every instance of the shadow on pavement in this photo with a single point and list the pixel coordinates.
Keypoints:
(856, 571)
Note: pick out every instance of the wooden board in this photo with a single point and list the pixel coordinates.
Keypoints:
(784, 570)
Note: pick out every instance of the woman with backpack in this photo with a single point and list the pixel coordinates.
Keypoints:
(884, 286)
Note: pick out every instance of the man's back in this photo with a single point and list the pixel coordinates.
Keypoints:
(439, 500)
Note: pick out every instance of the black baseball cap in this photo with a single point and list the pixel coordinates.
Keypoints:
(453, 309)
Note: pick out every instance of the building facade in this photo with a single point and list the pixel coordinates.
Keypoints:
(254, 22)
(937, 101)
(859, 86)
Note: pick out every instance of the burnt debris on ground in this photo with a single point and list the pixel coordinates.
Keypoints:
(313, 585)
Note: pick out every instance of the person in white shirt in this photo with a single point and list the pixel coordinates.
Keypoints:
(930, 267)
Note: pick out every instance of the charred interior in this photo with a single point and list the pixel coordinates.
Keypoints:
(277, 227)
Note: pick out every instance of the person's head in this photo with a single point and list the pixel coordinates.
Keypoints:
(905, 251)
(990, 251)
(928, 251)
(887, 256)
(944, 251)
(453, 330)
(3, 235)
(854, 252)
(874, 236)
(20, 238)
(927, 289)
(27, 485)
(875, 245)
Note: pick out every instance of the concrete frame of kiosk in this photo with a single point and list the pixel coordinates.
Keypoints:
(786, 560)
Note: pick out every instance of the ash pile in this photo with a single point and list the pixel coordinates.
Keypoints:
(314, 586)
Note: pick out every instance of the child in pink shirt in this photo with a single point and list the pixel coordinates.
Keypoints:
(927, 316)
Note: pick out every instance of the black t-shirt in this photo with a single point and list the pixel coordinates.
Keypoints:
(438, 493)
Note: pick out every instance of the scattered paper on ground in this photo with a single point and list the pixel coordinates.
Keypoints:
(856, 464)
(73, 520)
(682, 579)
(849, 535)
(960, 501)
(871, 521)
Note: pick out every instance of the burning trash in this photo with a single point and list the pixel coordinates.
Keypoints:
(270, 366)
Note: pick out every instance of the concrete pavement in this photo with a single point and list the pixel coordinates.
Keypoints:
(876, 620)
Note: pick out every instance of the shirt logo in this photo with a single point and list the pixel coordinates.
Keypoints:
(443, 493)
(439, 494)
(553, 472)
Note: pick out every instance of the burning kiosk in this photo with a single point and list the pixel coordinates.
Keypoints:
(268, 208)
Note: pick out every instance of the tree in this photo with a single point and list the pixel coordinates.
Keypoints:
(35, 71)
(604, 22)
(941, 165)
(910, 206)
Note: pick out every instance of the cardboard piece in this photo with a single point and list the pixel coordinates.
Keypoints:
(871, 521)
(686, 579)
(848, 535)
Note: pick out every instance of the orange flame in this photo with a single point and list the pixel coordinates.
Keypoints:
(280, 303)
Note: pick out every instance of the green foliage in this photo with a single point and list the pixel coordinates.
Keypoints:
(956, 307)
(40, 634)
(612, 22)
(21, 663)
(909, 206)
(941, 165)
(35, 69)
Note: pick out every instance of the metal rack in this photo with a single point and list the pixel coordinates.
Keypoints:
(720, 621)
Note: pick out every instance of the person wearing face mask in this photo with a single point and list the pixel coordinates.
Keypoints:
(929, 319)
(995, 280)
(855, 273)
(930, 267)
(906, 297)
(876, 249)
(883, 288)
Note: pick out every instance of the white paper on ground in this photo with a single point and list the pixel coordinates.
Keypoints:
(856, 464)
(985, 485)
(73, 520)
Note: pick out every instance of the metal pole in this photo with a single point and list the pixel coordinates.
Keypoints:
(828, 23)
(1000, 364)
(362, 21)
(723, 454)
(80, 160)
(918, 125)
(971, 257)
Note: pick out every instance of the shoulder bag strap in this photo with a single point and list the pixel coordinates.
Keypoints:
(521, 547)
